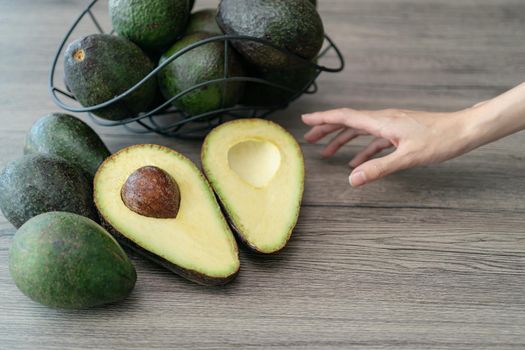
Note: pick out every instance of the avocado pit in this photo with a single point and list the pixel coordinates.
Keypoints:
(151, 192)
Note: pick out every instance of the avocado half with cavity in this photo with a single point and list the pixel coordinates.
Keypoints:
(257, 170)
(157, 202)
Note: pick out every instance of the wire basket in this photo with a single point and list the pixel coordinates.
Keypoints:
(169, 121)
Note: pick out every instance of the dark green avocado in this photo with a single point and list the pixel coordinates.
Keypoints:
(200, 65)
(192, 3)
(38, 183)
(293, 25)
(99, 67)
(296, 78)
(204, 21)
(69, 138)
(151, 24)
(65, 260)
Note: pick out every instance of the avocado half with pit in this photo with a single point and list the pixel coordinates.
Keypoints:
(257, 170)
(157, 202)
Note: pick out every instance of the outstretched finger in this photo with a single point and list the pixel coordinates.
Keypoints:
(377, 168)
(339, 140)
(376, 146)
(360, 120)
(318, 132)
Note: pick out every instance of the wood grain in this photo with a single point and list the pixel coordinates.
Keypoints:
(428, 258)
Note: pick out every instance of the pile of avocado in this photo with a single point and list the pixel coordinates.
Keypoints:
(100, 67)
(73, 202)
(61, 256)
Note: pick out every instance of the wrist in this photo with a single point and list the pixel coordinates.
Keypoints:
(481, 124)
(497, 118)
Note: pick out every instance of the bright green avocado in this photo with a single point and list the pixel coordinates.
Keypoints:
(203, 21)
(99, 67)
(151, 24)
(69, 138)
(65, 260)
(38, 183)
(293, 25)
(200, 65)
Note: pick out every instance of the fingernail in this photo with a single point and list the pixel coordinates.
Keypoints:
(306, 116)
(357, 179)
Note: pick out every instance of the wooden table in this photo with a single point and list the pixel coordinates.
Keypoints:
(432, 257)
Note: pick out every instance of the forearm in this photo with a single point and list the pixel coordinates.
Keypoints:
(497, 118)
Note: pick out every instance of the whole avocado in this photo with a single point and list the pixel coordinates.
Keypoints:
(99, 67)
(203, 21)
(65, 260)
(153, 25)
(293, 25)
(69, 138)
(38, 183)
(199, 65)
(296, 79)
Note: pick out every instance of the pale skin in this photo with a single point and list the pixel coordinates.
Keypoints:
(418, 138)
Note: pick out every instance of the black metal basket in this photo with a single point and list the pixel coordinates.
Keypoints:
(169, 121)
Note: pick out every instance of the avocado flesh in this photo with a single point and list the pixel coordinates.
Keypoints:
(69, 138)
(257, 170)
(65, 260)
(197, 243)
(292, 25)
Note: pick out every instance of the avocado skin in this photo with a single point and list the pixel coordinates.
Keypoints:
(293, 25)
(192, 3)
(111, 66)
(67, 137)
(65, 260)
(153, 25)
(296, 78)
(199, 65)
(38, 183)
(203, 21)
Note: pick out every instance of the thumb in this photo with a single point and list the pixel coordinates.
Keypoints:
(375, 169)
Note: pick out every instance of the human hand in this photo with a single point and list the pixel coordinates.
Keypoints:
(419, 138)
